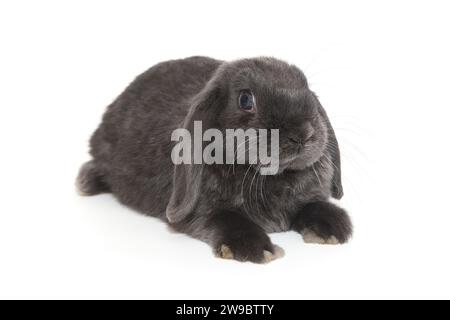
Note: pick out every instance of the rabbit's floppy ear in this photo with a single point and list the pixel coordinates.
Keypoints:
(188, 178)
(337, 191)
(187, 182)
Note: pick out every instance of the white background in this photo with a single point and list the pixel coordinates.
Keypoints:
(381, 69)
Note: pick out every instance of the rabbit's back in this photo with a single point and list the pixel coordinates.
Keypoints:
(132, 147)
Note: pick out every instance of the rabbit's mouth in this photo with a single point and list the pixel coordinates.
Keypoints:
(288, 163)
(301, 158)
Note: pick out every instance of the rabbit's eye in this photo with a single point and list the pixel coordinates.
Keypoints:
(246, 100)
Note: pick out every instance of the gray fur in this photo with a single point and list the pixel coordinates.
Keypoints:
(131, 148)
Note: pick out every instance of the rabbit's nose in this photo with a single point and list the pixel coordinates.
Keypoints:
(301, 141)
(303, 136)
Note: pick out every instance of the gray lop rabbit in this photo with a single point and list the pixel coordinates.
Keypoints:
(230, 206)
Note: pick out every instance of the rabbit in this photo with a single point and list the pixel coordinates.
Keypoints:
(232, 207)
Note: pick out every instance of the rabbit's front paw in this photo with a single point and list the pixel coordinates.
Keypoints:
(253, 249)
(323, 223)
(310, 236)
